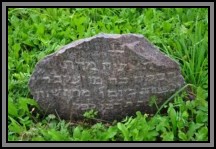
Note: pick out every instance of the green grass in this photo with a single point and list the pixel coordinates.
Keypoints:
(181, 33)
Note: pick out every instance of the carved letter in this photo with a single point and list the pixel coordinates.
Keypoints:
(121, 93)
(121, 67)
(95, 80)
(132, 93)
(109, 106)
(128, 103)
(162, 89)
(138, 78)
(149, 78)
(75, 93)
(66, 92)
(116, 51)
(40, 94)
(106, 65)
(112, 94)
(81, 64)
(101, 92)
(117, 104)
(56, 91)
(57, 79)
(123, 80)
(84, 107)
(85, 93)
(171, 75)
(160, 76)
(172, 87)
(46, 78)
(113, 80)
(140, 101)
(67, 64)
(91, 66)
(75, 80)
(153, 89)
(92, 106)
(144, 65)
(144, 91)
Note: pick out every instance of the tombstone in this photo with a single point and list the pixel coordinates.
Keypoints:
(113, 74)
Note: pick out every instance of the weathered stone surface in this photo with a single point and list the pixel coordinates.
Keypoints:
(114, 74)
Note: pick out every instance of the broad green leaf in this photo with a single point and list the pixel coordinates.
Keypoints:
(124, 131)
(55, 135)
(77, 133)
(167, 26)
(112, 131)
(86, 136)
(182, 136)
(167, 136)
(40, 29)
(16, 49)
(202, 134)
(201, 117)
(192, 129)
(15, 126)
(12, 108)
(38, 138)
(201, 94)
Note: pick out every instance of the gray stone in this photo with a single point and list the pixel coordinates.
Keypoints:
(114, 74)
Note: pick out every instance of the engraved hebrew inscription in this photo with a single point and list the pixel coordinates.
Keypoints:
(111, 73)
